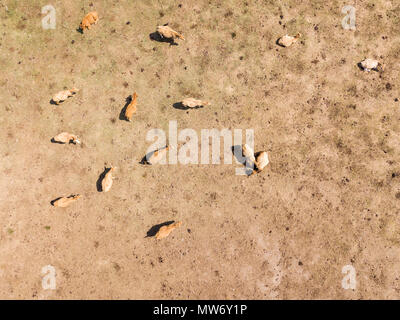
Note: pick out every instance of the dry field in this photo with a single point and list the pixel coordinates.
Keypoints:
(330, 196)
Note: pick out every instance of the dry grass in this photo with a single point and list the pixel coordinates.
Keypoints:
(328, 198)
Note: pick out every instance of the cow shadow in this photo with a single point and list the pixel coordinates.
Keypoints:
(101, 178)
(180, 106)
(52, 201)
(278, 44)
(144, 160)
(238, 154)
(122, 113)
(360, 66)
(155, 36)
(56, 142)
(147, 156)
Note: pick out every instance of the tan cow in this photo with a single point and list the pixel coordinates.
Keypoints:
(63, 95)
(287, 41)
(131, 108)
(166, 230)
(65, 137)
(88, 20)
(168, 33)
(107, 182)
(66, 201)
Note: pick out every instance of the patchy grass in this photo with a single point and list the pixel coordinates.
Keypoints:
(328, 198)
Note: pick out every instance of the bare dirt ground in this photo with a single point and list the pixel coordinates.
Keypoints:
(330, 196)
